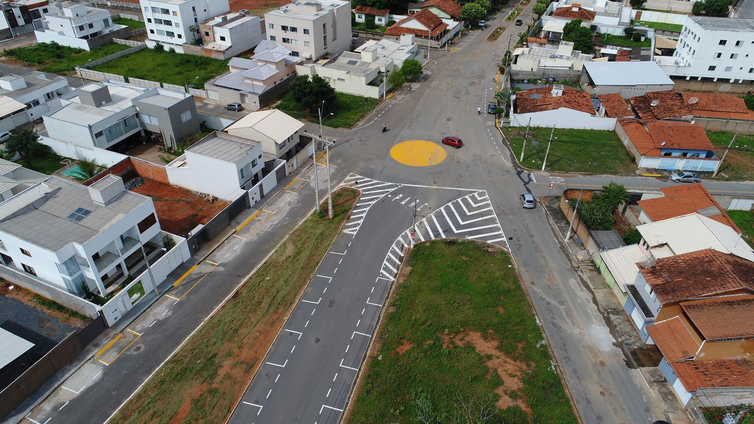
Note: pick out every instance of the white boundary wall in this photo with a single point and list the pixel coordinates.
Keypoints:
(69, 150)
(563, 118)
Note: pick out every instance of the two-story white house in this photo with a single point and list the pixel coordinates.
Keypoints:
(229, 35)
(220, 164)
(37, 91)
(311, 29)
(21, 17)
(712, 49)
(276, 131)
(77, 238)
(173, 23)
(96, 115)
(71, 24)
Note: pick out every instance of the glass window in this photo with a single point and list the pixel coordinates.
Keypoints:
(271, 26)
(294, 42)
(186, 116)
(734, 56)
(306, 31)
(91, 26)
(160, 32)
(81, 27)
(728, 68)
(180, 36)
(177, 24)
(739, 43)
(167, 22)
(149, 20)
(165, 11)
(26, 252)
(294, 29)
(170, 34)
(718, 55)
(712, 68)
(29, 270)
(158, 21)
(307, 44)
(284, 27)
(286, 40)
(175, 13)
(222, 38)
(272, 38)
(723, 42)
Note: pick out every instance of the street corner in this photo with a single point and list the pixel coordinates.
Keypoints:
(296, 185)
(418, 153)
(118, 345)
(257, 220)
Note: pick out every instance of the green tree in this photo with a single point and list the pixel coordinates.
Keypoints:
(570, 27)
(539, 9)
(86, 169)
(299, 88)
(485, 5)
(309, 93)
(717, 8)
(472, 12)
(612, 195)
(637, 4)
(396, 79)
(582, 38)
(369, 22)
(411, 69)
(25, 142)
(629, 31)
(749, 100)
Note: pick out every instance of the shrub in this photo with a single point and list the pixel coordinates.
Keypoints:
(369, 22)
(501, 69)
(390, 23)
(636, 36)
(158, 47)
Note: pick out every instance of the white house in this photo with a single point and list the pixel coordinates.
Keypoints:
(277, 132)
(549, 57)
(71, 24)
(70, 236)
(220, 164)
(311, 29)
(173, 23)
(381, 16)
(96, 115)
(558, 106)
(21, 17)
(38, 92)
(229, 35)
(712, 49)
(406, 48)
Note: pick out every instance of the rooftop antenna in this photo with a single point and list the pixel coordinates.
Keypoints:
(654, 103)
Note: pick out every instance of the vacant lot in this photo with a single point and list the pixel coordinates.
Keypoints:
(179, 210)
(620, 40)
(739, 164)
(348, 110)
(460, 339)
(131, 23)
(660, 26)
(52, 57)
(745, 221)
(166, 66)
(203, 381)
(598, 152)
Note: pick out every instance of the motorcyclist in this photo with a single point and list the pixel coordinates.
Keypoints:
(384, 127)
(479, 110)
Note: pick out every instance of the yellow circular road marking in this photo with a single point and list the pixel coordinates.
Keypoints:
(418, 153)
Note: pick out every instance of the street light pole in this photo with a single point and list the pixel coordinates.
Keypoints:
(329, 191)
(714, 174)
(384, 86)
(544, 163)
(149, 268)
(573, 218)
(413, 224)
(526, 137)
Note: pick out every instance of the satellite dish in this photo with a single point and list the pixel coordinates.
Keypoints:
(654, 103)
(662, 144)
(693, 122)
(693, 100)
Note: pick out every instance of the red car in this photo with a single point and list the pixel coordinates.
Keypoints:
(452, 141)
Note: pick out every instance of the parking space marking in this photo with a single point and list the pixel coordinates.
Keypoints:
(255, 229)
(295, 180)
(183, 277)
(109, 345)
(138, 336)
(214, 265)
(255, 405)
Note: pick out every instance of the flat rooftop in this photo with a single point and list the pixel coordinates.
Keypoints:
(724, 24)
(627, 73)
(308, 10)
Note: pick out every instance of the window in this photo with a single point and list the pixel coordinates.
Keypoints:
(167, 22)
(149, 20)
(180, 36)
(206, 33)
(151, 31)
(91, 26)
(81, 27)
(294, 54)
(147, 223)
(751, 70)
(739, 43)
(160, 32)
(185, 116)
(307, 44)
(712, 68)
(734, 56)
(148, 119)
(284, 27)
(271, 26)
(294, 29)
(79, 214)
(177, 24)
(170, 33)
(240, 174)
(29, 270)
(306, 31)
(272, 38)
(286, 40)
(165, 11)
(50, 95)
(98, 134)
(26, 252)
(718, 55)
(222, 38)
(294, 42)
(722, 42)
(253, 165)
(32, 104)
(158, 21)
(728, 68)
(155, 10)
(175, 13)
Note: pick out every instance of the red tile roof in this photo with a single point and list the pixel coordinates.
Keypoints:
(669, 104)
(736, 372)
(448, 6)
(371, 11)
(623, 56)
(541, 99)
(650, 137)
(721, 106)
(685, 199)
(698, 274)
(615, 106)
(426, 18)
(727, 317)
(575, 11)
(673, 339)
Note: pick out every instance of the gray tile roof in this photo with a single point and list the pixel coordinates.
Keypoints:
(41, 214)
(224, 147)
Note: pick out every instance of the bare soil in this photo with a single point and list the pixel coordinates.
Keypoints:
(256, 7)
(178, 209)
(27, 297)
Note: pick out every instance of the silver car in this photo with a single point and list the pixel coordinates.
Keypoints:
(685, 177)
(527, 201)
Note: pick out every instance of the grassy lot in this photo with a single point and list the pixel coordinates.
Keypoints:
(745, 221)
(459, 332)
(46, 165)
(52, 57)
(739, 163)
(660, 26)
(166, 66)
(348, 110)
(363, 27)
(131, 23)
(598, 152)
(619, 40)
(202, 382)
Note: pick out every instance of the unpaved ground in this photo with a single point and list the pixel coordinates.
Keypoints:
(27, 297)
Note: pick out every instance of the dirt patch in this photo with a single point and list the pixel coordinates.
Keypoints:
(404, 347)
(179, 210)
(28, 297)
(510, 371)
(256, 7)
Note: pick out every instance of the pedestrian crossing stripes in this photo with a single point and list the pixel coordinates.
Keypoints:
(371, 192)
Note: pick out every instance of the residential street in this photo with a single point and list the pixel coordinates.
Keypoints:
(309, 372)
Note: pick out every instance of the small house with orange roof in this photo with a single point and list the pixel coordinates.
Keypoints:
(669, 145)
(443, 9)
(712, 107)
(426, 25)
(559, 106)
(681, 200)
(381, 16)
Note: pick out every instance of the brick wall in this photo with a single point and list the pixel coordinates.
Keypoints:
(150, 170)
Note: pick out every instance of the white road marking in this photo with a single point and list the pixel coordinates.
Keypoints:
(278, 365)
(310, 301)
(268, 394)
(328, 392)
(295, 332)
(276, 378)
(347, 367)
(61, 408)
(339, 253)
(329, 407)
(254, 404)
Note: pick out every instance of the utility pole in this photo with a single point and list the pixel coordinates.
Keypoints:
(327, 144)
(548, 148)
(570, 226)
(413, 224)
(429, 40)
(714, 174)
(384, 86)
(149, 268)
(526, 138)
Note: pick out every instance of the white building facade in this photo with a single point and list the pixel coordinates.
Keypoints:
(311, 29)
(713, 49)
(71, 24)
(173, 23)
(37, 91)
(229, 35)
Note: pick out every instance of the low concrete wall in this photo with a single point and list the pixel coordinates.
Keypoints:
(681, 84)
(726, 125)
(578, 228)
(675, 6)
(205, 233)
(215, 122)
(543, 73)
(69, 150)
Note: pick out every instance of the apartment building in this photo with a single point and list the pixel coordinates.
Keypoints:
(77, 238)
(173, 23)
(712, 49)
(311, 29)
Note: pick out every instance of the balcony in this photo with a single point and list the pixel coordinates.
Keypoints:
(104, 261)
(128, 245)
